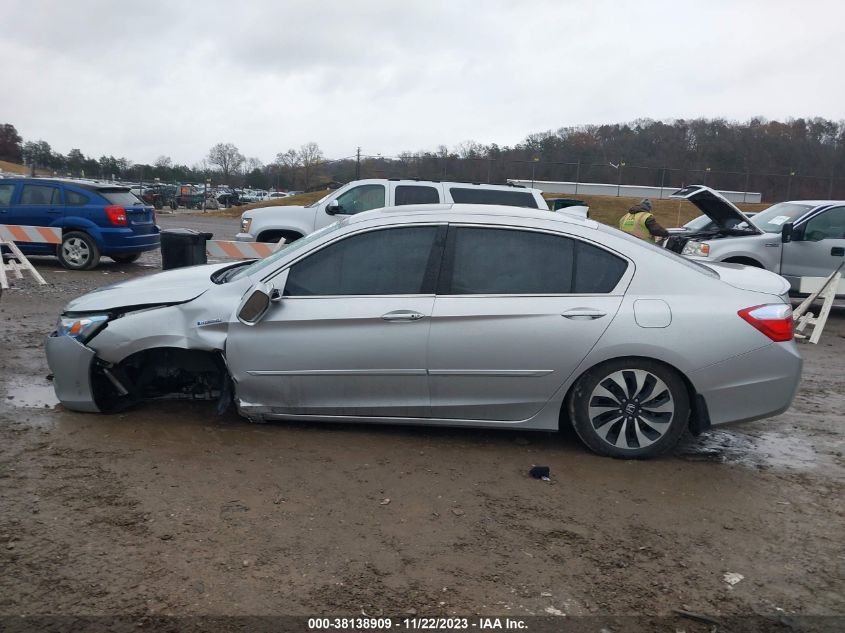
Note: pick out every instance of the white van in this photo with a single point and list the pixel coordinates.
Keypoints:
(270, 224)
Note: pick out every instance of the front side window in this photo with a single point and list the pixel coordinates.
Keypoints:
(465, 195)
(361, 198)
(6, 191)
(829, 225)
(416, 194)
(40, 194)
(381, 262)
(506, 261)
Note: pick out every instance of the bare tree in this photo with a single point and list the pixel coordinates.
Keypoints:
(290, 162)
(310, 156)
(227, 157)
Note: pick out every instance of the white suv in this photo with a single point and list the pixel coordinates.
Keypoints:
(270, 224)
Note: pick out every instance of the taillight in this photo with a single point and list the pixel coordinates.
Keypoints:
(116, 215)
(772, 319)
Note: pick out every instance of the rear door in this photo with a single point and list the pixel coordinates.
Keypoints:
(516, 311)
(36, 205)
(820, 249)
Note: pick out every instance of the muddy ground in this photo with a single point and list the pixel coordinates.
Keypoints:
(171, 509)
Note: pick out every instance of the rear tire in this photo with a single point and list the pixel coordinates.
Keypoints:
(125, 259)
(632, 408)
(78, 251)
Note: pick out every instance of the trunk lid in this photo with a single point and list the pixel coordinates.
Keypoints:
(715, 206)
(749, 278)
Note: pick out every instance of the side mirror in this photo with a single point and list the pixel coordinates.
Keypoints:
(255, 304)
(333, 207)
(786, 232)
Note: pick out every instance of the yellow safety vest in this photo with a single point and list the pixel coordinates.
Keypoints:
(634, 223)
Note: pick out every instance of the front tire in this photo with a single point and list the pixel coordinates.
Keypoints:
(78, 251)
(632, 408)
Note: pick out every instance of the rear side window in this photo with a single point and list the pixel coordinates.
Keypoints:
(122, 197)
(75, 199)
(40, 194)
(506, 261)
(463, 195)
(6, 191)
(384, 262)
(416, 194)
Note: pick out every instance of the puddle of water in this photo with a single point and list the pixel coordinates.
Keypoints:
(30, 393)
(774, 450)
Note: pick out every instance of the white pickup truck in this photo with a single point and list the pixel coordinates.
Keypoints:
(270, 224)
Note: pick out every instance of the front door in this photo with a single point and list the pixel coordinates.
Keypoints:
(37, 205)
(516, 313)
(820, 250)
(348, 337)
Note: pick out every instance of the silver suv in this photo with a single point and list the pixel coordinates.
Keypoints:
(803, 238)
(270, 224)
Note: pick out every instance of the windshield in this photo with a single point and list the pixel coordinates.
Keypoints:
(772, 219)
(320, 201)
(260, 264)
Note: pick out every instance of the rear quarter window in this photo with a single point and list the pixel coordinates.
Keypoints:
(75, 199)
(466, 195)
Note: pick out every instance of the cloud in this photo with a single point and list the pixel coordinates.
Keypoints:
(141, 79)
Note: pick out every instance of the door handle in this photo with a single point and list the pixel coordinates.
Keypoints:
(402, 315)
(583, 314)
(838, 251)
(54, 211)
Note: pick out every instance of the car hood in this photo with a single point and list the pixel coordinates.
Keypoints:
(715, 206)
(749, 277)
(168, 287)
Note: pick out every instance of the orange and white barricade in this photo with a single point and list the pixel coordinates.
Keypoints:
(241, 250)
(18, 263)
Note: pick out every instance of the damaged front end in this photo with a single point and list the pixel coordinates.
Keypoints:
(86, 379)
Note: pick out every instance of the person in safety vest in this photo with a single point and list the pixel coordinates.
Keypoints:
(640, 223)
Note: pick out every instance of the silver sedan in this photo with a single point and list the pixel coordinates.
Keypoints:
(458, 315)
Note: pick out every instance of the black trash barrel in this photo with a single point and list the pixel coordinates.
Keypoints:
(183, 247)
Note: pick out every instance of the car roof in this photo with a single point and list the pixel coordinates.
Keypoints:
(457, 212)
(90, 185)
(421, 181)
(813, 203)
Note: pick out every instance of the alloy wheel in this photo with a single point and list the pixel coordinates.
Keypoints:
(631, 409)
(76, 251)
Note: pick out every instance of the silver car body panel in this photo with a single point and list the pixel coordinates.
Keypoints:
(506, 360)
(70, 361)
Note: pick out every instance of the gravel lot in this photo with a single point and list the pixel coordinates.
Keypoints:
(171, 509)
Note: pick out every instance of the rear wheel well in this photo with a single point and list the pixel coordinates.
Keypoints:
(160, 372)
(276, 235)
(748, 261)
(699, 420)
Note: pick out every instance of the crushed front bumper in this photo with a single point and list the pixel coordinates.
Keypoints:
(71, 361)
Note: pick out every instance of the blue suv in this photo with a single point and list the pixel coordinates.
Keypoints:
(96, 219)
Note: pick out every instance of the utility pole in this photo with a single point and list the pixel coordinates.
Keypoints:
(577, 175)
(358, 164)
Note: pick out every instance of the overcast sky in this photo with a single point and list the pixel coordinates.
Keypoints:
(142, 79)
